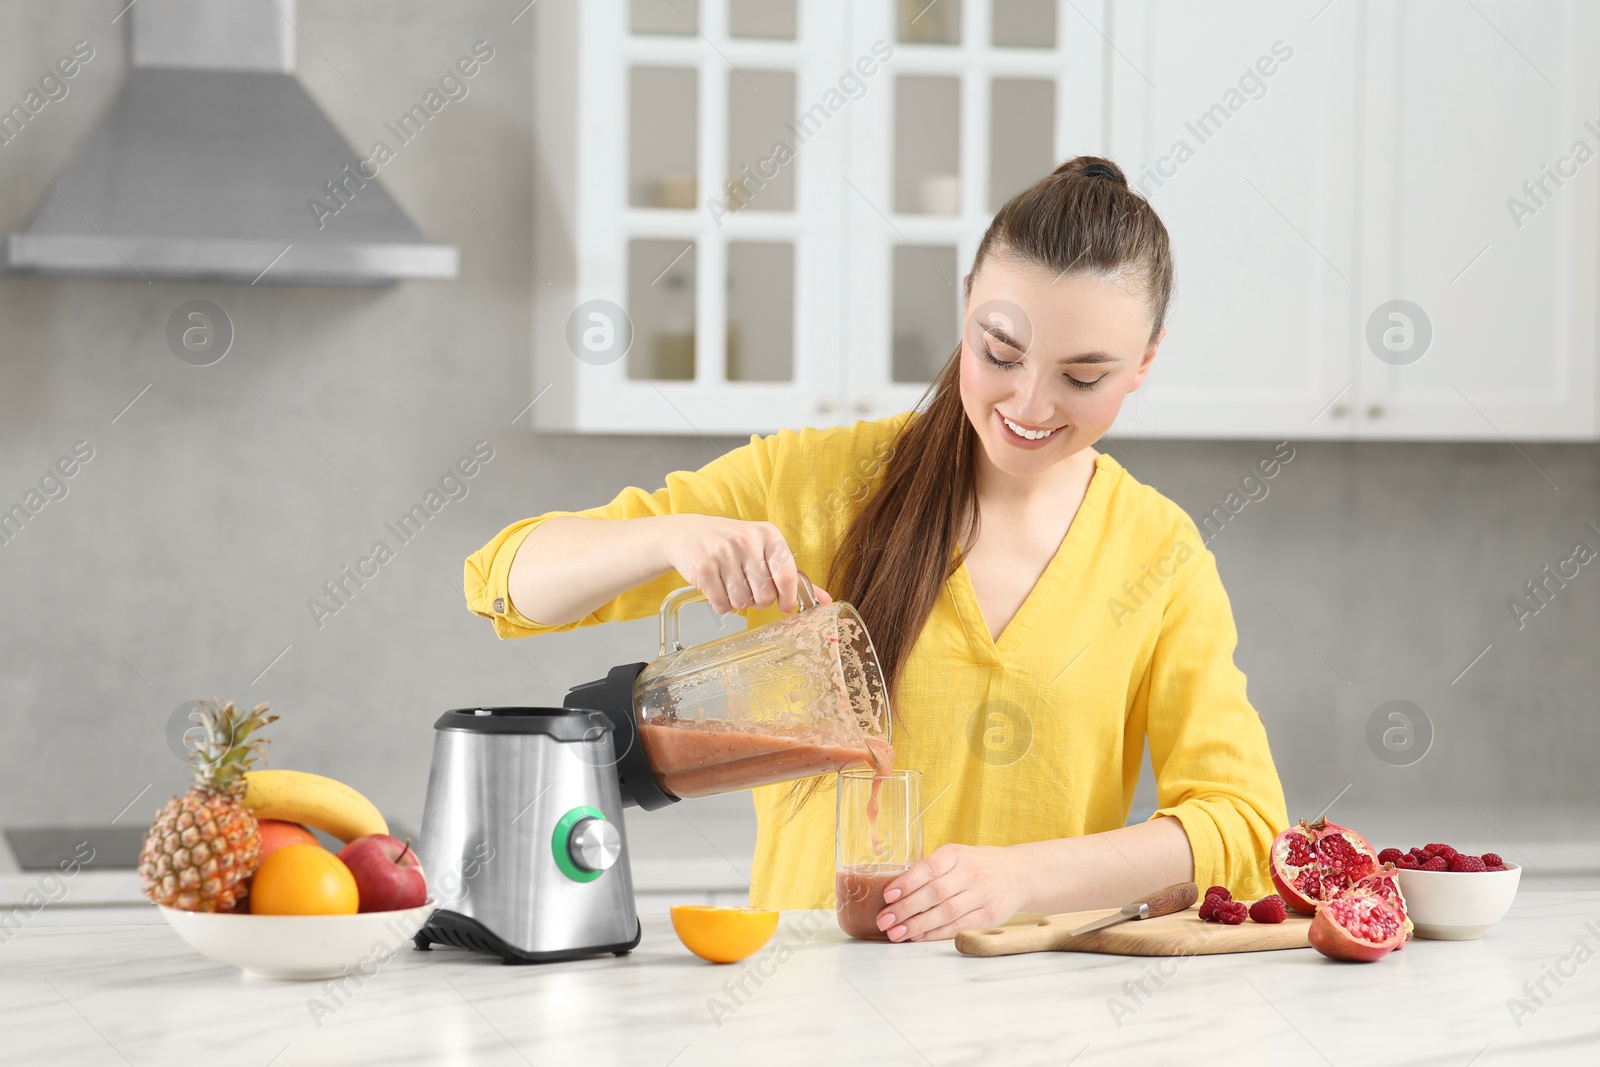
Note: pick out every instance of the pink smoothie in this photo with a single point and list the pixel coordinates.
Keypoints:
(859, 890)
(702, 759)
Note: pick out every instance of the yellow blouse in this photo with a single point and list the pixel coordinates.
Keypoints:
(1127, 635)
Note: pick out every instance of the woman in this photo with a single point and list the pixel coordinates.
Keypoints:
(1039, 613)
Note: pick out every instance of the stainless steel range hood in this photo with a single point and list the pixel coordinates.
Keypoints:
(211, 165)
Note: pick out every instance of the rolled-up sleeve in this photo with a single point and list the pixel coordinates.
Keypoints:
(1208, 747)
(734, 485)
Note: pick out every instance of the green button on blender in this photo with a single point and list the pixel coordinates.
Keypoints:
(563, 833)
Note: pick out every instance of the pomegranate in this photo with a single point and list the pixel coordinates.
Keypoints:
(1383, 883)
(1360, 928)
(1316, 861)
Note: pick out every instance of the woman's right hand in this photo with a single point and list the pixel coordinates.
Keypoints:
(737, 564)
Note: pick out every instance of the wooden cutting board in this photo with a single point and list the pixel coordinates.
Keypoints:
(1180, 934)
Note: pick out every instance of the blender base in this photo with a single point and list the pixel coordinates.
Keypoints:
(462, 931)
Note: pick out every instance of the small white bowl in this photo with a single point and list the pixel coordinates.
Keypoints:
(1458, 905)
(300, 946)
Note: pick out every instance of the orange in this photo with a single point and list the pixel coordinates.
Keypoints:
(723, 933)
(303, 880)
(275, 834)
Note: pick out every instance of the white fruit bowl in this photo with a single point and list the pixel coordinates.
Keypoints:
(1458, 905)
(300, 946)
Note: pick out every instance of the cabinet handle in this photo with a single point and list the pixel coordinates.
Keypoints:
(864, 404)
(1374, 411)
(827, 402)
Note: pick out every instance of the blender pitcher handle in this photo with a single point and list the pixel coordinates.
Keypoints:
(675, 602)
(808, 595)
(678, 599)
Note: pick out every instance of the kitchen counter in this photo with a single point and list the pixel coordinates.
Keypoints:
(117, 986)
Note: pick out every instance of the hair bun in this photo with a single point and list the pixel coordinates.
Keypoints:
(1103, 170)
(1092, 167)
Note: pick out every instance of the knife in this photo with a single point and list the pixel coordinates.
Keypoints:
(1163, 902)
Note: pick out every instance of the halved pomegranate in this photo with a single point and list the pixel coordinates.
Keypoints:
(1360, 928)
(1316, 861)
(1383, 883)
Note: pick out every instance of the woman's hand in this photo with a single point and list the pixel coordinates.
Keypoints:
(735, 563)
(953, 888)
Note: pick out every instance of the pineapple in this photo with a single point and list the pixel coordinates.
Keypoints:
(201, 850)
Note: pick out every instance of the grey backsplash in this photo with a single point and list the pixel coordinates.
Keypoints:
(182, 558)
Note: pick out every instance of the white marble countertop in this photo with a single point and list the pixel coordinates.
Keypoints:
(116, 986)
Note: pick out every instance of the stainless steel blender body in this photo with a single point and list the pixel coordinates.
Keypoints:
(523, 842)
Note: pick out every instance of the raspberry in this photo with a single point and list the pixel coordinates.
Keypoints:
(1220, 892)
(1232, 912)
(1269, 909)
(1501, 867)
(1408, 863)
(1390, 855)
(1437, 863)
(1208, 909)
(1468, 863)
(1492, 860)
(1441, 850)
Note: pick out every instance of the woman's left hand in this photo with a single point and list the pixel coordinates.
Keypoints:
(953, 888)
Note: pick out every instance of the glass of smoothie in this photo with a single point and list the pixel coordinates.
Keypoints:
(877, 837)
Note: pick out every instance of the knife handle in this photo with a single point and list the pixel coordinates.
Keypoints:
(1171, 899)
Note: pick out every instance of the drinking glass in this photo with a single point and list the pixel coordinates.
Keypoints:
(873, 843)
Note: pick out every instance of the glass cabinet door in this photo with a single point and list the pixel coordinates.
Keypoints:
(707, 149)
(782, 197)
(979, 100)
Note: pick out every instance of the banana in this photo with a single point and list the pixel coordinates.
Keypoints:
(298, 796)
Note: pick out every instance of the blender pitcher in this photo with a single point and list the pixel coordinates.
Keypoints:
(799, 696)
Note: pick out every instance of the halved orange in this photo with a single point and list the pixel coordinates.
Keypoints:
(723, 933)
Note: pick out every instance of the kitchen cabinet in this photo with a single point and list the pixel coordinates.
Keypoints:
(1238, 122)
(1384, 216)
(782, 196)
(961, 125)
(1338, 181)
(1483, 209)
(664, 194)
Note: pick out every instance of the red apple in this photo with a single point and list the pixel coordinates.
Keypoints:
(388, 874)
